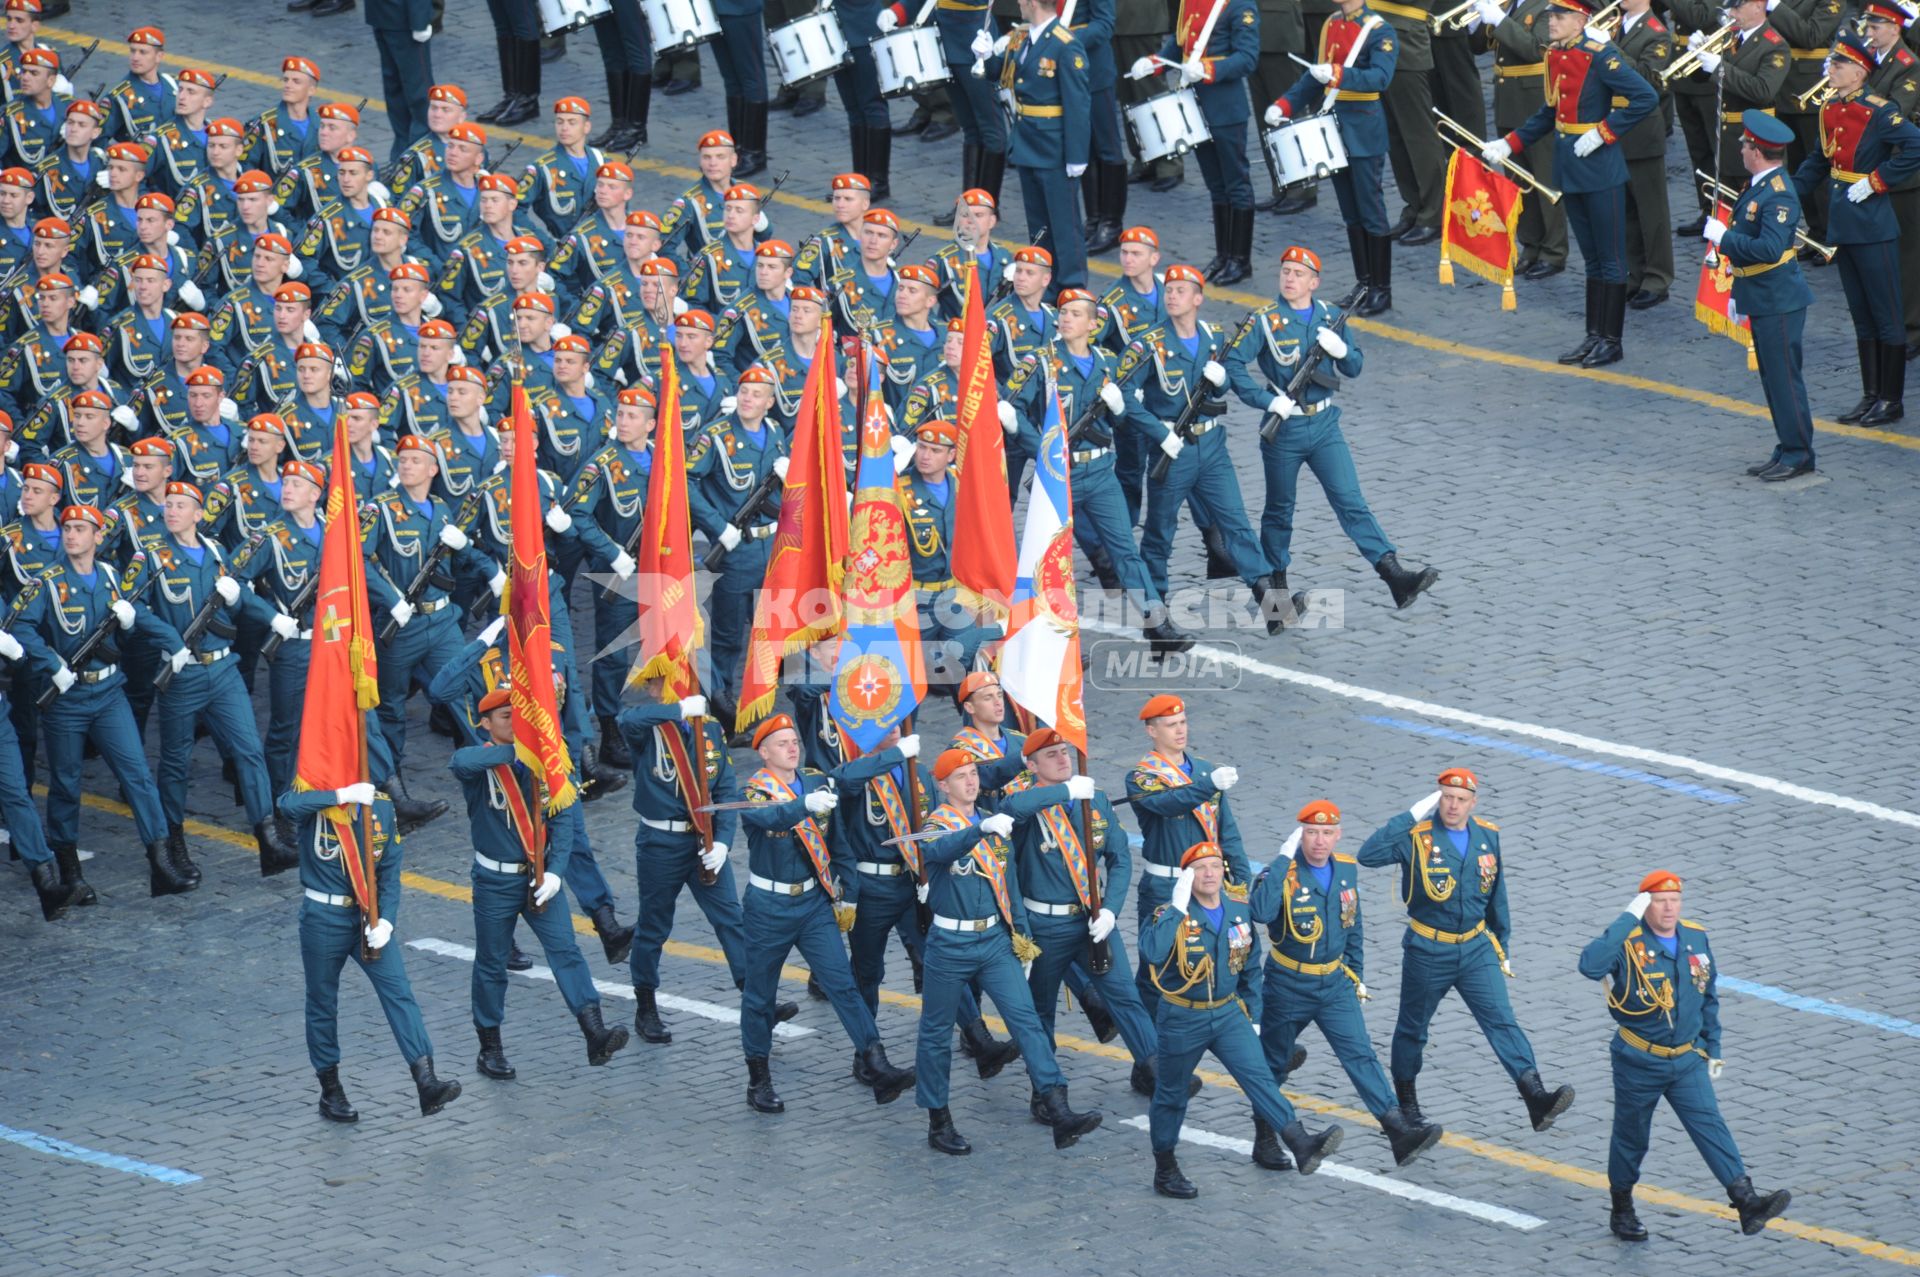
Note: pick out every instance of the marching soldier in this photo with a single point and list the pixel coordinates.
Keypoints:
(1044, 70)
(180, 145)
(93, 467)
(265, 376)
(469, 448)
(284, 135)
(1309, 432)
(1866, 148)
(290, 559)
(443, 204)
(163, 395)
(950, 632)
(1019, 327)
(788, 857)
(476, 268)
(388, 349)
(145, 99)
(693, 221)
(227, 260)
(611, 492)
(936, 396)
(375, 469)
(306, 187)
(1520, 44)
(1183, 946)
(247, 497)
(1455, 886)
(722, 271)
(759, 330)
(112, 229)
(332, 929)
(862, 289)
(909, 341)
(512, 837)
(1770, 291)
(1316, 974)
(559, 180)
(73, 177)
(35, 112)
(976, 215)
(340, 237)
(1647, 43)
(825, 253)
(26, 836)
(32, 543)
(1662, 991)
(446, 107)
(361, 295)
(615, 302)
(980, 937)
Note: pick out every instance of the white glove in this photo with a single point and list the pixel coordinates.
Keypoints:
(1714, 230)
(10, 647)
(1274, 116)
(1194, 72)
(122, 612)
(1224, 778)
(228, 589)
(729, 402)
(1733, 313)
(358, 794)
(423, 35)
(380, 192)
(453, 538)
(229, 410)
(549, 888)
(1861, 191)
(125, 416)
(999, 823)
(1496, 151)
(309, 331)
(982, 47)
(431, 307)
(1506, 968)
(491, 634)
(180, 660)
(820, 802)
(761, 224)
(1714, 1069)
(100, 179)
(1006, 272)
(1290, 847)
(1140, 70)
(623, 565)
(559, 520)
(1331, 342)
(89, 297)
(1425, 807)
(190, 294)
(1360, 991)
(1101, 927)
(1638, 905)
(1115, 401)
(902, 453)
(1709, 61)
(886, 21)
(692, 707)
(1598, 35)
(729, 536)
(909, 746)
(1080, 788)
(1009, 422)
(285, 626)
(401, 612)
(1321, 71)
(498, 583)
(63, 678)
(1697, 39)
(780, 466)
(921, 890)
(379, 933)
(715, 860)
(1587, 143)
(1283, 405)
(1172, 444)
(295, 268)
(1216, 375)
(1075, 170)
(1491, 14)
(1182, 890)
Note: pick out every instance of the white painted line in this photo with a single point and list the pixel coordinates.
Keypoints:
(609, 989)
(1367, 1179)
(1515, 727)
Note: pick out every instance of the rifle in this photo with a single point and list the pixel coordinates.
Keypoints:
(743, 518)
(1183, 425)
(469, 511)
(1309, 365)
(28, 593)
(86, 53)
(204, 617)
(133, 584)
(303, 597)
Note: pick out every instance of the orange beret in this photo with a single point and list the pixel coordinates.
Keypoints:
(362, 401)
(1165, 705)
(447, 93)
(1140, 235)
(1034, 255)
(851, 182)
(83, 514)
(697, 319)
(778, 723)
(1660, 880)
(306, 66)
(493, 700)
(1301, 256)
(881, 217)
(195, 76)
(181, 488)
(95, 400)
(973, 683)
(268, 423)
(1069, 295)
(471, 134)
(713, 138)
(52, 228)
(466, 373)
(46, 58)
(154, 199)
(572, 106)
(638, 396)
(525, 244)
(410, 270)
(305, 470)
(542, 302)
(1459, 778)
(49, 475)
(17, 176)
(83, 341)
(255, 182)
(274, 242)
(1319, 812)
(572, 344)
(979, 198)
(192, 319)
(759, 375)
(614, 171)
(151, 446)
(148, 35)
(416, 443)
(744, 192)
(769, 248)
(206, 376)
(918, 274)
(498, 183)
(659, 266)
(1177, 274)
(1201, 851)
(807, 293)
(226, 126)
(397, 216)
(438, 329)
(645, 220)
(951, 761)
(131, 152)
(293, 291)
(941, 432)
(313, 350)
(1039, 740)
(339, 111)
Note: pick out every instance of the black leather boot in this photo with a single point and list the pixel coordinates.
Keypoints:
(1408, 1139)
(617, 940)
(435, 1093)
(492, 1061)
(54, 895)
(1379, 298)
(646, 1018)
(1167, 1179)
(1068, 1126)
(1268, 1152)
(880, 162)
(1220, 564)
(526, 104)
(1281, 609)
(942, 1137)
(1611, 348)
(1890, 407)
(1099, 1018)
(516, 960)
(753, 159)
(67, 856)
(1409, 1100)
(761, 1097)
(1543, 1105)
(183, 866)
(1406, 584)
(1294, 1061)
(887, 1082)
(1090, 201)
(1624, 1221)
(993, 172)
(602, 1043)
(162, 878)
(408, 812)
(1212, 268)
(613, 746)
(616, 112)
(1238, 264)
(508, 79)
(1579, 353)
(990, 1055)
(1102, 564)
(275, 856)
(639, 106)
(1146, 1076)
(1359, 246)
(1168, 638)
(1869, 381)
(1114, 202)
(1309, 1149)
(919, 971)
(333, 1097)
(1756, 1207)
(784, 1011)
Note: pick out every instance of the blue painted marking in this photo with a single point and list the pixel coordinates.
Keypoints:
(93, 1157)
(1820, 1006)
(1719, 797)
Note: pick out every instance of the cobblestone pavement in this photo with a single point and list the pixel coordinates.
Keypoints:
(1649, 659)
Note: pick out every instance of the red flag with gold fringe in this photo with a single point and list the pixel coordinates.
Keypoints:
(538, 741)
(670, 627)
(983, 556)
(1483, 211)
(1713, 296)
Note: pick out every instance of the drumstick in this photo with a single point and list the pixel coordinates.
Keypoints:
(1302, 61)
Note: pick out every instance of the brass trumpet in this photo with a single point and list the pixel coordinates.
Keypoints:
(1818, 95)
(1461, 16)
(1467, 140)
(1716, 190)
(1689, 62)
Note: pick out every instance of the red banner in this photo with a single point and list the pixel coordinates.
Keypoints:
(982, 555)
(1483, 210)
(670, 626)
(1713, 296)
(537, 739)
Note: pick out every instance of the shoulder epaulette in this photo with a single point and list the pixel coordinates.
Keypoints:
(1688, 922)
(1770, 34)
(1346, 860)
(1065, 33)
(1422, 827)
(1653, 24)
(1486, 824)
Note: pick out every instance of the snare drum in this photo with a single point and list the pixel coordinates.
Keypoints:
(676, 24)
(909, 60)
(808, 49)
(1167, 124)
(1307, 149)
(560, 16)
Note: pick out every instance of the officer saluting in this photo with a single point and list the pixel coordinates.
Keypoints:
(1661, 990)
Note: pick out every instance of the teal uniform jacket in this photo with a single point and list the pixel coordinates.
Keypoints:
(909, 353)
(109, 234)
(825, 253)
(403, 535)
(999, 757)
(1668, 1001)
(1444, 891)
(609, 305)
(756, 330)
(1215, 960)
(1173, 817)
(1126, 313)
(134, 352)
(701, 396)
(241, 322)
(558, 187)
(569, 428)
(949, 261)
(1016, 332)
(593, 250)
(1232, 54)
(1042, 866)
(242, 503)
(382, 354)
(310, 428)
(68, 609)
(358, 300)
(1078, 391)
(861, 825)
(1357, 107)
(202, 456)
(718, 276)
(33, 136)
(319, 846)
(1869, 138)
(138, 108)
(492, 829)
(860, 300)
(1759, 246)
(692, 221)
(337, 242)
(66, 186)
(306, 188)
(182, 587)
(442, 212)
(1273, 349)
(958, 888)
(656, 785)
(1048, 74)
(89, 479)
(1309, 924)
(276, 142)
(1606, 94)
(30, 551)
(727, 465)
(611, 491)
(775, 850)
(179, 157)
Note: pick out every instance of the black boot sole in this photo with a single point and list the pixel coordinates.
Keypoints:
(1433, 1137)
(1067, 1137)
(609, 1046)
(1561, 1103)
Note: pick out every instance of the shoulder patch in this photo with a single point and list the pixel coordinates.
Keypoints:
(1486, 824)
(1691, 925)
(1772, 36)
(1346, 860)
(1421, 827)
(1653, 23)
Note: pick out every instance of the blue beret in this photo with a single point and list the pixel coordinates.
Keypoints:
(1765, 129)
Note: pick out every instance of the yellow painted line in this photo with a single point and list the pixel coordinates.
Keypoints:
(1504, 1156)
(1392, 332)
